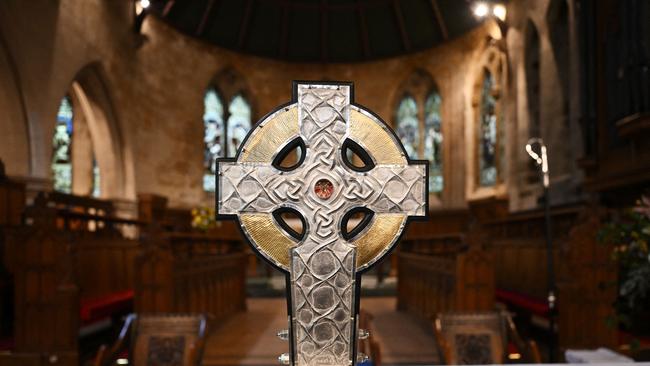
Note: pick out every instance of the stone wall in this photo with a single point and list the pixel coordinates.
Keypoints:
(559, 98)
(145, 95)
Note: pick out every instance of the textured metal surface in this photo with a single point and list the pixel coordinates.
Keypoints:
(374, 136)
(267, 236)
(323, 265)
(372, 244)
(279, 128)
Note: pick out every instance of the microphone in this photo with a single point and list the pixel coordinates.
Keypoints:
(541, 159)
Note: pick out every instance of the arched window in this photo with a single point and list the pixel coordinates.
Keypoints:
(62, 147)
(487, 133)
(418, 124)
(213, 138)
(239, 123)
(433, 141)
(69, 165)
(96, 180)
(407, 126)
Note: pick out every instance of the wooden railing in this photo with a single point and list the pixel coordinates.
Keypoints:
(194, 273)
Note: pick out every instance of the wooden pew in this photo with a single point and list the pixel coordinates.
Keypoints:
(188, 271)
(72, 266)
(585, 274)
(519, 246)
(441, 273)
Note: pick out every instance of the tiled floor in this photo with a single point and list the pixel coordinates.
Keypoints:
(249, 338)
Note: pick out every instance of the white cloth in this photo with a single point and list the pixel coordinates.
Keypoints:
(601, 355)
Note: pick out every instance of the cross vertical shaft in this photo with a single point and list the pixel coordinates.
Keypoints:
(323, 267)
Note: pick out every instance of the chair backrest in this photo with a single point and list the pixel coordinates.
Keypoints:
(168, 340)
(472, 338)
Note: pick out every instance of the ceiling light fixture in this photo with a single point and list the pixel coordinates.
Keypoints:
(484, 9)
(141, 6)
(481, 9)
(499, 11)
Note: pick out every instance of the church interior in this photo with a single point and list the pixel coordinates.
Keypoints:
(533, 117)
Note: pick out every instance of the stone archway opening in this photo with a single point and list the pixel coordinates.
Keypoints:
(96, 156)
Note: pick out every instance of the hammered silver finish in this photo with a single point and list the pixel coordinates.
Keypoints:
(323, 266)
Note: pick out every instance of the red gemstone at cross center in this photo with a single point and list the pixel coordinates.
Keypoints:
(324, 189)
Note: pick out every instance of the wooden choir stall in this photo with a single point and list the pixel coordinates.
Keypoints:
(73, 266)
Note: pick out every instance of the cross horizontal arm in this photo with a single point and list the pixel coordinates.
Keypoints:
(253, 187)
(391, 189)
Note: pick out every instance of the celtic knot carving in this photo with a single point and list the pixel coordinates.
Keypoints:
(323, 266)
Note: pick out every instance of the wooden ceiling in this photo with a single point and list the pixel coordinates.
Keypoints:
(321, 31)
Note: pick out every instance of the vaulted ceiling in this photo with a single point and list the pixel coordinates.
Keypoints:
(319, 30)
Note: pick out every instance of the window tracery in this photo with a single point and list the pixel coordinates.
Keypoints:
(62, 147)
(213, 137)
(488, 133)
(433, 140)
(418, 125)
(224, 130)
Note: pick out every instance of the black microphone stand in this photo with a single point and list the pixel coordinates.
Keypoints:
(541, 160)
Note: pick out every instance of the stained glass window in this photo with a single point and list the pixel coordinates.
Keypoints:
(96, 179)
(407, 125)
(213, 123)
(433, 141)
(487, 134)
(239, 122)
(62, 148)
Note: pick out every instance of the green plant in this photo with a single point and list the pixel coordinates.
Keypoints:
(629, 235)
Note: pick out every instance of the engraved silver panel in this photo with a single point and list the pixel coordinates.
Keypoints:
(323, 266)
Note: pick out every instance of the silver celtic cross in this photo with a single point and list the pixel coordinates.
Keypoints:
(324, 188)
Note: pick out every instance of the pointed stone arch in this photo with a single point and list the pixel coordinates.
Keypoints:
(229, 83)
(94, 109)
(15, 151)
(492, 61)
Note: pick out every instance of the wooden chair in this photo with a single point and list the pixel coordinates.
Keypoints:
(163, 340)
(480, 338)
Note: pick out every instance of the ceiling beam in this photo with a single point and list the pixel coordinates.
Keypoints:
(440, 19)
(205, 18)
(243, 29)
(168, 7)
(400, 24)
(363, 30)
